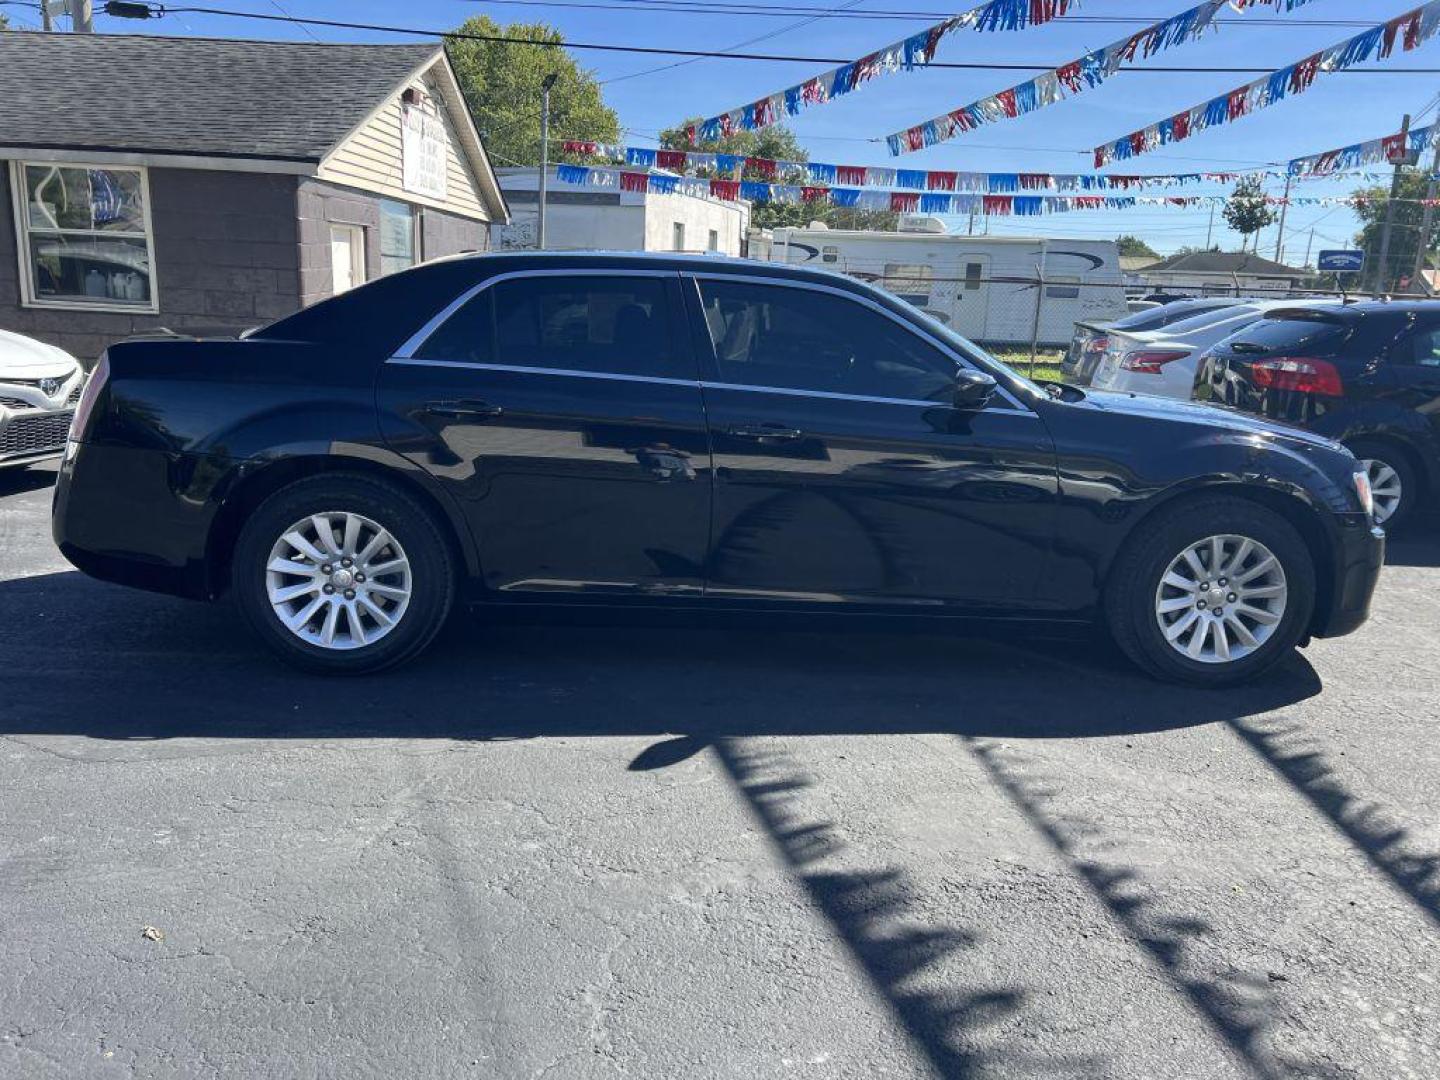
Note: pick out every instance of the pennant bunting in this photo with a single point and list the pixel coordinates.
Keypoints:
(1071, 78)
(1408, 31)
(917, 50)
(822, 174)
(1370, 152)
(909, 201)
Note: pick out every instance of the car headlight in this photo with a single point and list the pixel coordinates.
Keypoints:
(1362, 489)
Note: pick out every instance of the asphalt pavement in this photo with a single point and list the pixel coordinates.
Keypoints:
(667, 851)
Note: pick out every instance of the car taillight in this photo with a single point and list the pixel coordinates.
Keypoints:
(1150, 361)
(1097, 345)
(1300, 374)
(86, 405)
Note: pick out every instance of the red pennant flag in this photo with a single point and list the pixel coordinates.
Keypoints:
(849, 175)
(729, 190)
(999, 204)
(904, 202)
(815, 194)
(674, 160)
(635, 181)
(764, 166)
(941, 181)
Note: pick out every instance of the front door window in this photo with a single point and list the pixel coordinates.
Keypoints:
(804, 339)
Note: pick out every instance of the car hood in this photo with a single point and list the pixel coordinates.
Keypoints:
(1193, 412)
(25, 358)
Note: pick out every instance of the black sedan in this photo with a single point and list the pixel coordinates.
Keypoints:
(691, 432)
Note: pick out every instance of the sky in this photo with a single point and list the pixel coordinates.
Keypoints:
(651, 93)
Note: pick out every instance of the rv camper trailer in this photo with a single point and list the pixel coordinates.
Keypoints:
(984, 287)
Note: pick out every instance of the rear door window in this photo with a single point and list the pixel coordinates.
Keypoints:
(616, 325)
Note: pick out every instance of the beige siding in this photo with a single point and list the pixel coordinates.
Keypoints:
(370, 161)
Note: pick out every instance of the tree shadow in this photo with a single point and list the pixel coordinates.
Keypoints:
(1238, 1008)
(128, 665)
(873, 915)
(1300, 759)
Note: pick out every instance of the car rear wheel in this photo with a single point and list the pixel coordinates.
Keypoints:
(1392, 481)
(1212, 593)
(343, 574)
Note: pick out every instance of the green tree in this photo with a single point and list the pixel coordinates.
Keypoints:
(501, 84)
(1246, 211)
(779, 143)
(1370, 206)
(1134, 246)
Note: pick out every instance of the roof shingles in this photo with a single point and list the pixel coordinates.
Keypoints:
(200, 96)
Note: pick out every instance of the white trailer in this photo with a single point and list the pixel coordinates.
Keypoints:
(984, 287)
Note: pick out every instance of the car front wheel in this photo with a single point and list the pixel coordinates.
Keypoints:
(343, 574)
(1212, 593)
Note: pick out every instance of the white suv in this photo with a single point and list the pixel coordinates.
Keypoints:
(39, 387)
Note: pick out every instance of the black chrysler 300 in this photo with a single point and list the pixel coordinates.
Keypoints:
(691, 432)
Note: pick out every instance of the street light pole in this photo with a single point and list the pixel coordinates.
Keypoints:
(1284, 205)
(544, 154)
(1381, 271)
(1422, 244)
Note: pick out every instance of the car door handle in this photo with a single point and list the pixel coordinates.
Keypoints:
(463, 408)
(764, 431)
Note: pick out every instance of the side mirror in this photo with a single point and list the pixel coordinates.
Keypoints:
(973, 389)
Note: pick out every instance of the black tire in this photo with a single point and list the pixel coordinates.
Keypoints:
(1398, 460)
(431, 566)
(1134, 584)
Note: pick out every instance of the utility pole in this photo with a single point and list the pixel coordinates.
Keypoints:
(971, 230)
(1422, 244)
(1381, 271)
(544, 154)
(1210, 229)
(1284, 205)
(1308, 245)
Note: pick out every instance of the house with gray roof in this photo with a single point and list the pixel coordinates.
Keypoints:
(207, 186)
(1218, 273)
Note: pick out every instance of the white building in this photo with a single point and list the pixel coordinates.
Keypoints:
(579, 218)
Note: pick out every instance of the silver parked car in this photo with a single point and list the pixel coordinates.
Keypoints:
(39, 388)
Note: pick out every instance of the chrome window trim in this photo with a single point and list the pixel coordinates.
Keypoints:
(416, 340)
(521, 369)
(791, 283)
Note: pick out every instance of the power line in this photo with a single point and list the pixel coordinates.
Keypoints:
(738, 45)
(782, 11)
(158, 11)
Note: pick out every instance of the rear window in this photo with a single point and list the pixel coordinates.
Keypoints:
(1306, 332)
(1155, 318)
(1236, 313)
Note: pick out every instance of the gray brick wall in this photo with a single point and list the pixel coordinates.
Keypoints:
(320, 204)
(226, 258)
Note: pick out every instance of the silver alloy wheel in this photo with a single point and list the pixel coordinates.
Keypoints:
(1221, 599)
(1385, 487)
(338, 580)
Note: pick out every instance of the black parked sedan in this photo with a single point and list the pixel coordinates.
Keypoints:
(691, 432)
(1367, 375)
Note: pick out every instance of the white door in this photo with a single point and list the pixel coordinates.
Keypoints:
(347, 257)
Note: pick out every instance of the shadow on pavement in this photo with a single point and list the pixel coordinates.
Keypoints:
(139, 666)
(1300, 759)
(1416, 546)
(874, 915)
(15, 481)
(1239, 1008)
